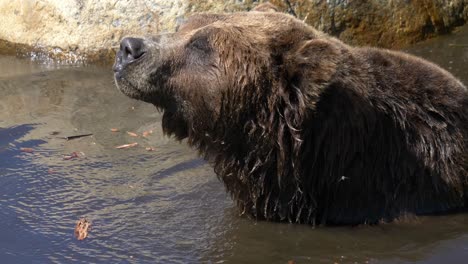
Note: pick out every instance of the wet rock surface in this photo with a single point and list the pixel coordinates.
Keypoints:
(90, 30)
(384, 23)
(74, 31)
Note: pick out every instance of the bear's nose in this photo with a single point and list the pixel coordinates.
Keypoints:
(132, 49)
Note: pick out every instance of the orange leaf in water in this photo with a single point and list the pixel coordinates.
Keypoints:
(147, 133)
(27, 150)
(81, 229)
(127, 146)
(70, 156)
(114, 129)
(132, 134)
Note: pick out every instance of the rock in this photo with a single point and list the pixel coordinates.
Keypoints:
(383, 23)
(90, 30)
(81, 30)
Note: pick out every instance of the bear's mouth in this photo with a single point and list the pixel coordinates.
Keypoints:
(131, 90)
(126, 87)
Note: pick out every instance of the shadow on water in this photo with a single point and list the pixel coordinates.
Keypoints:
(16, 241)
(164, 206)
(9, 137)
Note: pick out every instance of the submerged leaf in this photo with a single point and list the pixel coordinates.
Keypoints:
(147, 133)
(27, 150)
(70, 156)
(127, 145)
(132, 134)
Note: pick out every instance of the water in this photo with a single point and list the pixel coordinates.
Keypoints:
(164, 206)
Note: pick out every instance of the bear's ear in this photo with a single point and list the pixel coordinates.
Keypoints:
(314, 61)
(266, 7)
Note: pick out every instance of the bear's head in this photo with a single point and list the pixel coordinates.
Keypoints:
(227, 65)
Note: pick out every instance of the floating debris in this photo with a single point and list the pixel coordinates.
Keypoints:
(127, 146)
(132, 134)
(54, 133)
(147, 133)
(81, 229)
(150, 149)
(77, 136)
(27, 150)
(114, 130)
(71, 156)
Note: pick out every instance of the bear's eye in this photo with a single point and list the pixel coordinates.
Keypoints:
(200, 43)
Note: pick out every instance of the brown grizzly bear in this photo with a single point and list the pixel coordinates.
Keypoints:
(301, 127)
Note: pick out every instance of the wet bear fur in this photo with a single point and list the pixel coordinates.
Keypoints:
(301, 127)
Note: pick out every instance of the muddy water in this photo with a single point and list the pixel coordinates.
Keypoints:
(164, 206)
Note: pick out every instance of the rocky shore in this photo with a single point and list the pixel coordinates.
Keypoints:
(90, 30)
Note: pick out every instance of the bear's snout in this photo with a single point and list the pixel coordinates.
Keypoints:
(131, 49)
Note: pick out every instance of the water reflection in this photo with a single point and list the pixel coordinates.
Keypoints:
(143, 205)
(393, 243)
(164, 206)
